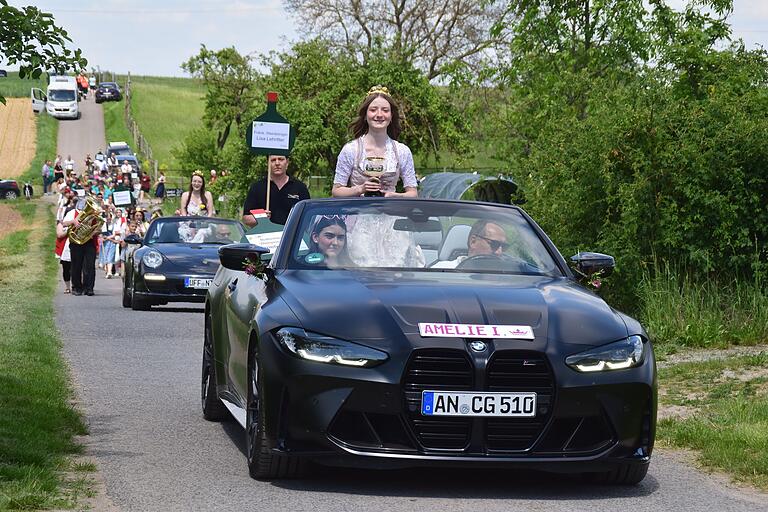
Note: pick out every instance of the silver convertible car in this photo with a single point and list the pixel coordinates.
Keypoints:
(408, 332)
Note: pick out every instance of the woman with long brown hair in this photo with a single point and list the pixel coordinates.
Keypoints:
(196, 200)
(374, 161)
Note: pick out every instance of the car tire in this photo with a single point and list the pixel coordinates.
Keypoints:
(126, 296)
(137, 303)
(11, 194)
(213, 409)
(263, 463)
(622, 474)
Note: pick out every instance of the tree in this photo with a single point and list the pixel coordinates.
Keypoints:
(321, 109)
(30, 38)
(431, 34)
(230, 82)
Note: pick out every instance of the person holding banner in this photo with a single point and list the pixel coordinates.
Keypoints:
(196, 200)
(277, 200)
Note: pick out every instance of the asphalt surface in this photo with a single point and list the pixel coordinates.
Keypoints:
(137, 377)
(82, 136)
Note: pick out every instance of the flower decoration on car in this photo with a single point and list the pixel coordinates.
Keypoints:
(253, 266)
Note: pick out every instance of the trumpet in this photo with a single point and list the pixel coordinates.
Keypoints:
(89, 222)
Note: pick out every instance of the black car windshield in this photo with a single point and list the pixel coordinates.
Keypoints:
(193, 230)
(108, 85)
(61, 95)
(420, 235)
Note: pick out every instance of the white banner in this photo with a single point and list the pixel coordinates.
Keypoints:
(270, 135)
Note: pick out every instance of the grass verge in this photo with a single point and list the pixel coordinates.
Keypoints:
(45, 149)
(38, 423)
(722, 410)
(114, 122)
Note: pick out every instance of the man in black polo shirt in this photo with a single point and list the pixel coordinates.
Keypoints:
(284, 193)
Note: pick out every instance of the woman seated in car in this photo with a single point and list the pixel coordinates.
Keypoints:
(328, 243)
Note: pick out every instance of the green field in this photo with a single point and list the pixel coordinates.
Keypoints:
(166, 109)
(14, 87)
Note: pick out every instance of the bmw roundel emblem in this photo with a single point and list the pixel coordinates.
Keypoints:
(477, 346)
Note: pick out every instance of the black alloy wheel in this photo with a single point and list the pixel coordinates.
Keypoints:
(263, 464)
(213, 409)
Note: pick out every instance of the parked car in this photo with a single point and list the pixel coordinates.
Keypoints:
(9, 189)
(3, 73)
(132, 161)
(108, 91)
(176, 260)
(348, 348)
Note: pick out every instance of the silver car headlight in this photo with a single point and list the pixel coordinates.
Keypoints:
(152, 259)
(619, 355)
(324, 349)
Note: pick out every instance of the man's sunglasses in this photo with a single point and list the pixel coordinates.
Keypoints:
(495, 245)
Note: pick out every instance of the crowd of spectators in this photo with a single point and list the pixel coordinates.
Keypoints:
(122, 197)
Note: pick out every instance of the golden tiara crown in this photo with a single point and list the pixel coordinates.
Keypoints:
(377, 89)
(198, 173)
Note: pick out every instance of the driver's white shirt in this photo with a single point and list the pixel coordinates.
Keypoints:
(448, 263)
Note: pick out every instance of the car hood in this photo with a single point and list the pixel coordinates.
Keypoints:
(189, 258)
(372, 305)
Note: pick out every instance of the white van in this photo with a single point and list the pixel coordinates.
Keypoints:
(60, 100)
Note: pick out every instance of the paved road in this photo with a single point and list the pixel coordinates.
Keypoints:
(136, 374)
(82, 136)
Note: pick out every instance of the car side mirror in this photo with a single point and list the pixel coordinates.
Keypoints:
(589, 263)
(233, 256)
(133, 239)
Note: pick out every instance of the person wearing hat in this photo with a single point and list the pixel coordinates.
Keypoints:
(285, 192)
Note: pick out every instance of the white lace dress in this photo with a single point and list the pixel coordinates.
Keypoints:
(371, 239)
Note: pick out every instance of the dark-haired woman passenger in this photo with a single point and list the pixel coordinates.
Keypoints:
(329, 238)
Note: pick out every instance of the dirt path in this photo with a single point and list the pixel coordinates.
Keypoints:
(17, 137)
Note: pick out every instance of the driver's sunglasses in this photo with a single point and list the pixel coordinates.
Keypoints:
(495, 245)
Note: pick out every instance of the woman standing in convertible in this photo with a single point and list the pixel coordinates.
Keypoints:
(371, 165)
(375, 131)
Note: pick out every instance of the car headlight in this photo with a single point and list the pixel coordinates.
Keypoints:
(324, 349)
(619, 355)
(152, 259)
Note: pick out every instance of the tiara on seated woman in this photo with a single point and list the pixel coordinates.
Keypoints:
(198, 173)
(377, 89)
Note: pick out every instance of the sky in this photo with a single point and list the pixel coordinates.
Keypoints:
(154, 37)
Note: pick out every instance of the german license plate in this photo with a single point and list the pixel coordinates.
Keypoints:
(450, 403)
(197, 283)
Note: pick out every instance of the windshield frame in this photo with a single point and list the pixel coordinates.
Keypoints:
(296, 226)
(237, 226)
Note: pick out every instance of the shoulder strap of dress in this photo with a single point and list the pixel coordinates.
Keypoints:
(394, 148)
(359, 153)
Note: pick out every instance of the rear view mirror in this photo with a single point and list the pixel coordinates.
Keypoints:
(589, 263)
(426, 226)
(234, 256)
(133, 239)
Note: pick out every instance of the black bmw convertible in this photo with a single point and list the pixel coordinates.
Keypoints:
(176, 260)
(404, 332)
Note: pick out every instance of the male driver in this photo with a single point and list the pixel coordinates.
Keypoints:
(284, 193)
(485, 237)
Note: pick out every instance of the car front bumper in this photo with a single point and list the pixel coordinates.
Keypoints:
(371, 417)
(171, 289)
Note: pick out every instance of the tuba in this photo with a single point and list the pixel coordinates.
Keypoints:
(90, 222)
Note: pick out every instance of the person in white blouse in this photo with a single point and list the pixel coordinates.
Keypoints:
(375, 132)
